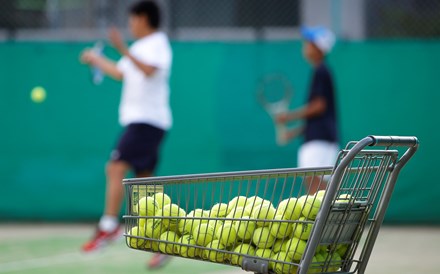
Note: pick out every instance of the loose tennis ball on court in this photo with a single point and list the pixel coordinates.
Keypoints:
(289, 208)
(219, 210)
(154, 228)
(280, 230)
(214, 256)
(38, 94)
(311, 207)
(265, 253)
(262, 238)
(239, 201)
(170, 238)
(262, 213)
(187, 225)
(203, 234)
(302, 229)
(136, 242)
(245, 249)
(161, 199)
(147, 206)
(172, 210)
(238, 213)
(227, 234)
(245, 229)
(285, 266)
(295, 248)
(186, 251)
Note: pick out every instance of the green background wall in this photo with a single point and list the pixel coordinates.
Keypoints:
(52, 155)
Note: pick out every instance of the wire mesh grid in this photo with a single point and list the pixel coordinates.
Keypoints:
(260, 220)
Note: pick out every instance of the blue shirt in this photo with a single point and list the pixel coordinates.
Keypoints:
(324, 126)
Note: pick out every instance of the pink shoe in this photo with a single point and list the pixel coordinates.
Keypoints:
(158, 261)
(101, 239)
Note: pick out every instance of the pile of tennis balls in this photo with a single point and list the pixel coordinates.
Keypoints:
(245, 226)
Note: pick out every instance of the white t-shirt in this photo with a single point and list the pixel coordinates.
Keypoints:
(145, 99)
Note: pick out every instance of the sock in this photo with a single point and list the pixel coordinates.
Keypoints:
(108, 223)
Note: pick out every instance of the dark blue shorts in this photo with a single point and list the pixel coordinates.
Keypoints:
(139, 147)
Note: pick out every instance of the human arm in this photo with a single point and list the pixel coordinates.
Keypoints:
(120, 45)
(103, 63)
(315, 108)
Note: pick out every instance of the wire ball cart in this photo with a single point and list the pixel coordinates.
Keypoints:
(263, 221)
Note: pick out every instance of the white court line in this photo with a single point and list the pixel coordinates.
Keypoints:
(65, 258)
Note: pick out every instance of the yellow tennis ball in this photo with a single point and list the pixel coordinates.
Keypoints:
(302, 229)
(320, 194)
(168, 246)
(289, 208)
(262, 238)
(226, 234)
(343, 198)
(262, 213)
(133, 241)
(213, 255)
(161, 199)
(203, 234)
(311, 207)
(245, 229)
(172, 210)
(285, 265)
(147, 206)
(342, 249)
(254, 201)
(277, 245)
(154, 228)
(295, 248)
(244, 249)
(186, 251)
(280, 230)
(263, 253)
(38, 94)
(187, 225)
(238, 213)
(239, 201)
(335, 262)
(219, 210)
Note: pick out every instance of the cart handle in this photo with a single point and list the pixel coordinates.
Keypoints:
(388, 141)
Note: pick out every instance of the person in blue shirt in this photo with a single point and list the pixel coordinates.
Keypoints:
(320, 129)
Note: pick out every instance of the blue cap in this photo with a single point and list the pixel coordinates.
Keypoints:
(321, 37)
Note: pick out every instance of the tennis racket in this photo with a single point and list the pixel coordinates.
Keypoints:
(96, 73)
(274, 93)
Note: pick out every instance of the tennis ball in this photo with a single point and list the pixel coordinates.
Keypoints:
(172, 210)
(214, 256)
(203, 234)
(168, 246)
(289, 208)
(219, 210)
(245, 229)
(238, 213)
(161, 199)
(254, 201)
(262, 238)
(227, 234)
(280, 230)
(136, 242)
(277, 245)
(335, 262)
(244, 249)
(342, 249)
(262, 213)
(311, 207)
(154, 228)
(147, 206)
(38, 94)
(302, 229)
(295, 248)
(284, 266)
(186, 226)
(320, 194)
(263, 253)
(186, 251)
(343, 198)
(239, 201)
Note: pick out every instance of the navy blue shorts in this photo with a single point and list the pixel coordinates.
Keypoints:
(139, 147)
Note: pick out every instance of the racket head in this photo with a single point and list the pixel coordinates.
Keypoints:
(274, 93)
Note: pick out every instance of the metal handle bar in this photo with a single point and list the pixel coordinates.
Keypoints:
(387, 141)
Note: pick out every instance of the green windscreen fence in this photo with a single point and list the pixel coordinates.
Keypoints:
(53, 154)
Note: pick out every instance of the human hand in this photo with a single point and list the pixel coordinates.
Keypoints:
(117, 41)
(88, 57)
(282, 118)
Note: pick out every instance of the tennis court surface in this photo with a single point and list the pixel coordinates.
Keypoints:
(54, 248)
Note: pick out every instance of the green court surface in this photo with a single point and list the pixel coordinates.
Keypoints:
(49, 248)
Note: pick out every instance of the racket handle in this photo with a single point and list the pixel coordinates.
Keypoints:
(97, 74)
(281, 134)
